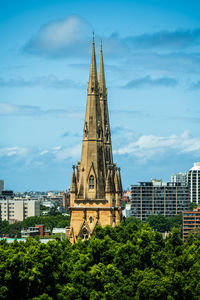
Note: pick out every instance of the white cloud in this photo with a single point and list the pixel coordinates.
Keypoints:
(13, 109)
(151, 146)
(32, 155)
(43, 152)
(8, 109)
(62, 154)
(13, 151)
(61, 37)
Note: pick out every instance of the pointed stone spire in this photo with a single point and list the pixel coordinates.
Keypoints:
(93, 82)
(101, 77)
(92, 158)
(95, 187)
(104, 112)
(73, 187)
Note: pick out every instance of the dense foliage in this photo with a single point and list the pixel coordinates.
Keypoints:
(164, 224)
(49, 222)
(131, 261)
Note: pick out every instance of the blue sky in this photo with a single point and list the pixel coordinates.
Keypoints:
(152, 64)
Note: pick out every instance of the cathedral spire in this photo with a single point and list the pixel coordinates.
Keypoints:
(101, 78)
(93, 82)
(92, 166)
(104, 112)
(94, 192)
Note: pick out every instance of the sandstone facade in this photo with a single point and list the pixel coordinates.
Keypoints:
(96, 188)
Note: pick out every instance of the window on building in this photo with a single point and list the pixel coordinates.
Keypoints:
(90, 219)
(91, 182)
(84, 234)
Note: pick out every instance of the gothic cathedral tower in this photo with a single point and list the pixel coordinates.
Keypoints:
(96, 188)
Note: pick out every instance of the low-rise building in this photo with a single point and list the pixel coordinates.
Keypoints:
(13, 210)
(48, 204)
(58, 230)
(191, 222)
(34, 231)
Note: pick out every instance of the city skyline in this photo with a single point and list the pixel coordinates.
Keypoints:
(152, 68)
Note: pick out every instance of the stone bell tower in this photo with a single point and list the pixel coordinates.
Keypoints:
(96, 188)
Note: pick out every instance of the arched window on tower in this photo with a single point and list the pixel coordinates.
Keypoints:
(84, 234)
(91, 182)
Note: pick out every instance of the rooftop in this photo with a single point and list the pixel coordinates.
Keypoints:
(196, 167)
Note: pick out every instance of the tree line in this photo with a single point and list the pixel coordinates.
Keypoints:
(131, 261)
(157, 222)
(59, 221)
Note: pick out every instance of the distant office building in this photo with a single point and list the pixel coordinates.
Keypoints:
(193, 181)
(179, 178)
(17, 210)
(191, 222)
(158, 197)
(1, 186)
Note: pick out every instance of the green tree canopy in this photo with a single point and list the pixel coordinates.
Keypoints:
(131, 261)
(159, 223)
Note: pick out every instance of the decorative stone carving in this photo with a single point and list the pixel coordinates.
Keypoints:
(99, 129)
(107, 133)
(86, 129)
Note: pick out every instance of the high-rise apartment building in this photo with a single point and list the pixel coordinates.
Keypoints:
(157, 197)
(96, 188)
(179, 178)
(17, 210)
(193, 182)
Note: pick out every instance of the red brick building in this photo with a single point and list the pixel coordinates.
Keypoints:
(191, 222)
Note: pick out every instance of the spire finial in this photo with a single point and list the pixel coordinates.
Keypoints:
(93, 37)
(101, 45)
(73, 187)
